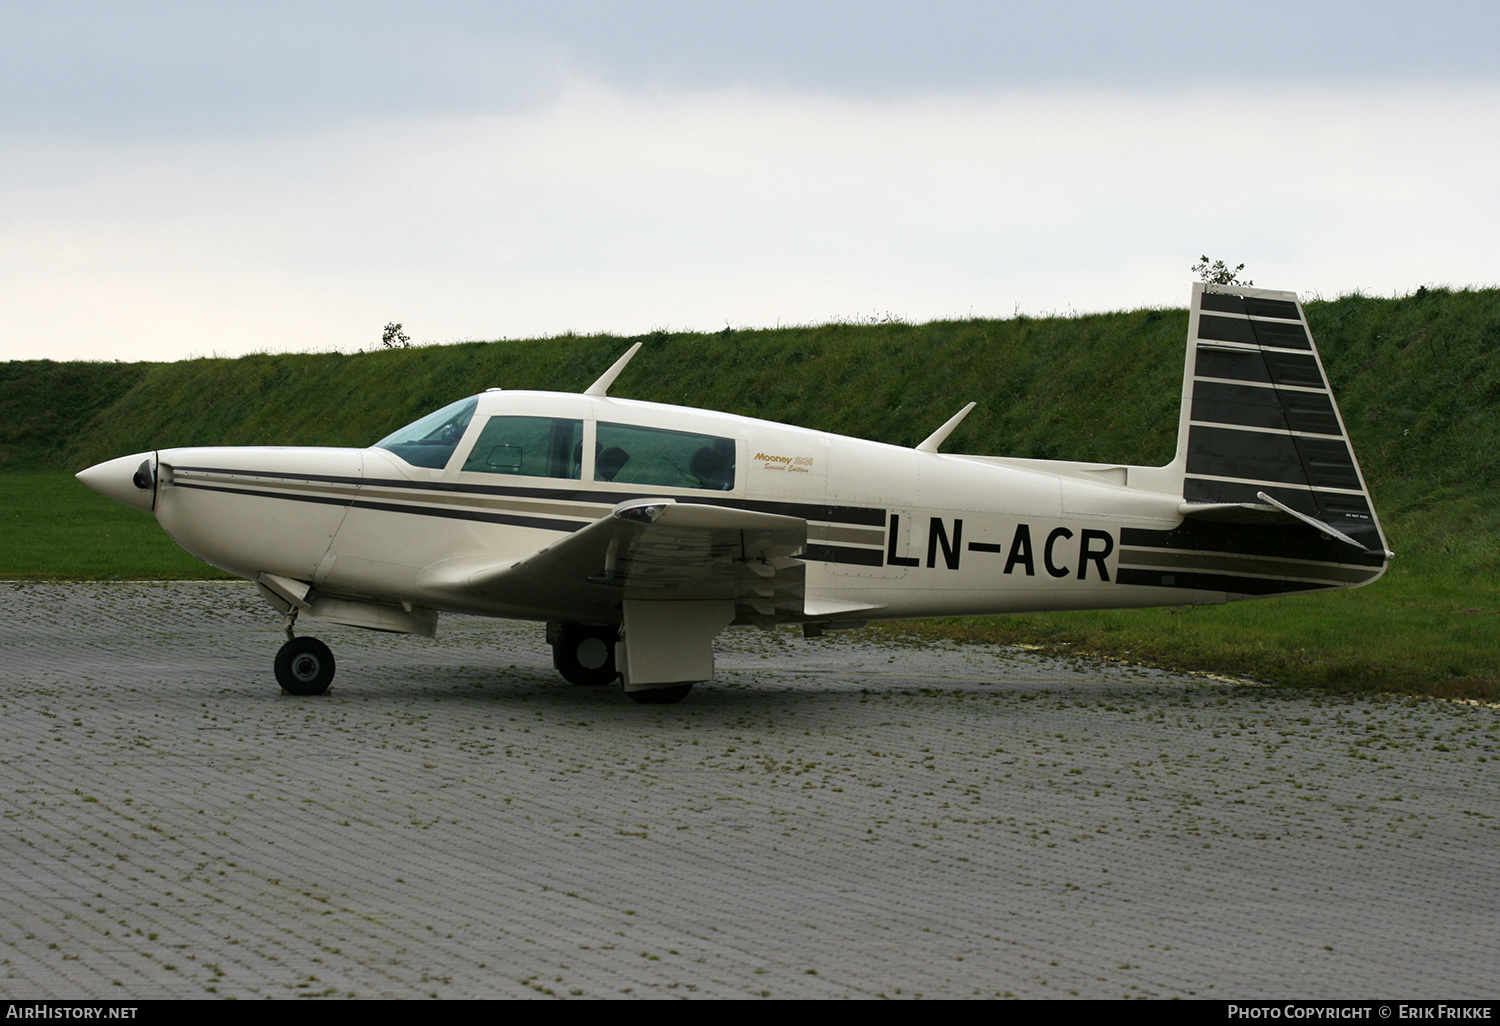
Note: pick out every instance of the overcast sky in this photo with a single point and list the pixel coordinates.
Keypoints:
(193, 178)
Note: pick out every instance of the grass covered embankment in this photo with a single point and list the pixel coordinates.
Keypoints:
(1418, 381)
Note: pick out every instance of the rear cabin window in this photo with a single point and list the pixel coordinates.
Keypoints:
(628, 454)
(528, 446)
(430, 441)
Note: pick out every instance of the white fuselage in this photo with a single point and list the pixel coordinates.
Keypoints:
(903, 532)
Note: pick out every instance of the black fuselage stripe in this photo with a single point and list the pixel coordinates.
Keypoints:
(844, 554)
(1274, 541)
(450, 513)
(820, 553)
(865, 516)
(1190, 581)
(511, 519)
(276, 475)
(1170, 561)
(326, 500)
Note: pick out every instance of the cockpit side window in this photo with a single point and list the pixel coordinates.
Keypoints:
(430, 441)
(630, 454)
(531, 446)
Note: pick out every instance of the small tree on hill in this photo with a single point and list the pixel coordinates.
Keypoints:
(394, 338)
(1218, 273)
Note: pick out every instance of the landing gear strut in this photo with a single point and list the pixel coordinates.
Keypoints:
(304, 666)
(584, 653)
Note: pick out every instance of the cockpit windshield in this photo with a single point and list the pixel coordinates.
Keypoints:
(430, 441)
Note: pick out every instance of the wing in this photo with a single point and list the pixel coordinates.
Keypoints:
(655, 549)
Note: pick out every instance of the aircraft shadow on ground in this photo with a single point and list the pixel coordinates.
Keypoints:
(484, 687)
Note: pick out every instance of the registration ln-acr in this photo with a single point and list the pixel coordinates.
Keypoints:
(637, 532)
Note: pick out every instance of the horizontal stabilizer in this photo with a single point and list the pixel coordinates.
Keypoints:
(1233, 513)
(1267, 511)
(1330, 531)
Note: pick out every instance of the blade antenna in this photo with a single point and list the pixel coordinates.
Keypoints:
(940, 436)
(601, 387)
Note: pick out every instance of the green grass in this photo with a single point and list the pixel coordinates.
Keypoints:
(1401, 634)
(43, 404)
(54, 528)
(1035, 380)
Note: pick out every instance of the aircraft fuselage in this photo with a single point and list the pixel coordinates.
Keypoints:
(907, 533)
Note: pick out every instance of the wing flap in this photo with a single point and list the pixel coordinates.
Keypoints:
(652, 549)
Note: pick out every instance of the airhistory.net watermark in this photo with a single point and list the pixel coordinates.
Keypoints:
(48, 1010)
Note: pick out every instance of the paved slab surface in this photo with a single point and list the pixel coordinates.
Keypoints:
(828, 819)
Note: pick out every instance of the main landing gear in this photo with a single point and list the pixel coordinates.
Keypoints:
(584, 653)
(304, 666)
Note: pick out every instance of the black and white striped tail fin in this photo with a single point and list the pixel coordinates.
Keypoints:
(1268, 472)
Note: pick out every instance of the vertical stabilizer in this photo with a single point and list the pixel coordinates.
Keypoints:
(1259, 419)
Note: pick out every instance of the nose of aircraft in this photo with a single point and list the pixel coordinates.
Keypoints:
(129, 479)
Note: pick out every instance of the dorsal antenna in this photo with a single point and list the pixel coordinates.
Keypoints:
(940, 436)
(601, 387)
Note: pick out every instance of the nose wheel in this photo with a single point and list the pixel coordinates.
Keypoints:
(304, 666)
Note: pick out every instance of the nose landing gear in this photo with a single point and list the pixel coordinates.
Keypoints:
(304, 666)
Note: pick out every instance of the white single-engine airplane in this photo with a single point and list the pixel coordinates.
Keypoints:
(638, 531)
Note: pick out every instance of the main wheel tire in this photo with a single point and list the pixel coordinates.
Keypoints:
(585, 654)
(669, 695)
(304, 666)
